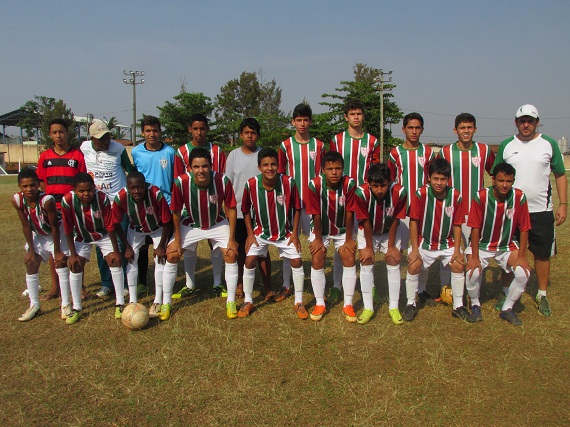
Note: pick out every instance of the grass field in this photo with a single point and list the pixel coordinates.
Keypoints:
(200, 368)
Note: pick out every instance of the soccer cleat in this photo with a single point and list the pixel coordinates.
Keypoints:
(395, 316)
(365, 317)
(103, 292)
(245, 309)
(301, 311)
(511, 317)
(462, 313)
(220, 291)
(165, 310)
(73, 317)
(65, 311)
(334, 296)
(318, 312)
(476, 315)
(349, 314)
(500, 302)
(119, 311)
(426, 299)
(543, 305)
(446, 295)
(30, 313)
(270, 295)
(231, 310)
(154, 310)
(183, 293)
(410, 313)
(283, 293)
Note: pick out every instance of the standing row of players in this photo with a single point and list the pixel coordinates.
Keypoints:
(283, 200)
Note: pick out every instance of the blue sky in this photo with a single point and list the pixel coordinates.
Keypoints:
(447, 57)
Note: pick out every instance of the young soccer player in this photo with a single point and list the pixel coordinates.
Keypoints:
(199, 129)
(435, 233)
(328, 195)
(271, 207)
(242, 165)
(497, 214)
(88, 221)
(56, 168)
(203, 193)
(379, 205)
(300, 158)
(41, 226)
(149, 215)
(408, 165)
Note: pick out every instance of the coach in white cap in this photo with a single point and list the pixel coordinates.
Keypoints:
(534, 156)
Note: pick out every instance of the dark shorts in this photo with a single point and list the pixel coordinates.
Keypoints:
(241, 233)
(542, 238)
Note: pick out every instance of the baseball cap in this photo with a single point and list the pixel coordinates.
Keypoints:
(527, 110)
(98, 129)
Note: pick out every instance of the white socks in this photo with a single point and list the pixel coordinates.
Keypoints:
(318, 281)
(32, 283)
(393, 272)
(231, 280)
(349, 284)
(366, 285)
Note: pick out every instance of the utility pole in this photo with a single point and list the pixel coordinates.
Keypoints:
(133, 81)
(380, 80)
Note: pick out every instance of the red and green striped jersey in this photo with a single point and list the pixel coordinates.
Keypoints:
(468, 169)
(381, 212)
(302, 162)
(90, 222)
(203, 205)
(358, 154)
(330, 203)
(436, 217)
(409, 167)
(36, 216)
(218, 156)
(272, 211)
(499, 220)
(146, 216)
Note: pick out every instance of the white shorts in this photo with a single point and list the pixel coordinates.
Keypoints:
(338, 240)
(285, 251)
(83, 249)
(379, 241)
(502, 258)
(43, 245)
(137, 239)
(304, 222)
(217, 235)
(404, 231)
(430, 256)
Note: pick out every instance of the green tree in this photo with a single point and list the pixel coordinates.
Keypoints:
(117, 132)
(175, 116)
(39, 112)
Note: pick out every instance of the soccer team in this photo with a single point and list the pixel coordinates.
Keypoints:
(435, 206)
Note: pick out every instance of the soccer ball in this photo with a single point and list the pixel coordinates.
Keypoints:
(446, 295)
(135, 316)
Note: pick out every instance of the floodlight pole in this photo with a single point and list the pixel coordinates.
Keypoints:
(380, 81)
(133, 81)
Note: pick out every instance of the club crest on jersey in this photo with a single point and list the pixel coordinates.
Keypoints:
(149, 210)
(389, 211)
(449, 211)
(341, 201)
(422, 161)
(364, 151)
(163, 163)
(97, 214)
(476, 161)
(281, 199)
(72, 163)
(313, 155)
(213, 198)
(510, 213)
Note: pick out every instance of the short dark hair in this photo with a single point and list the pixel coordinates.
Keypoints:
(413, 116)
(378, 173)
(59, 121)
(136, 174)
(266, 152)
(27, 173)
(353, 104)
(465, 118)
(81, 178)
(302, 110)
(200, 153)
(150, 121)
(198, 117)
(441, 166)
(332, 157)
(505, 168)
(251, 123)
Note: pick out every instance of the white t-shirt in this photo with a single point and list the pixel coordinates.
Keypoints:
(106, 167)
(239, 168)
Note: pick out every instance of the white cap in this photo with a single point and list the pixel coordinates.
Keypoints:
(527, 110)
(98, 129)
